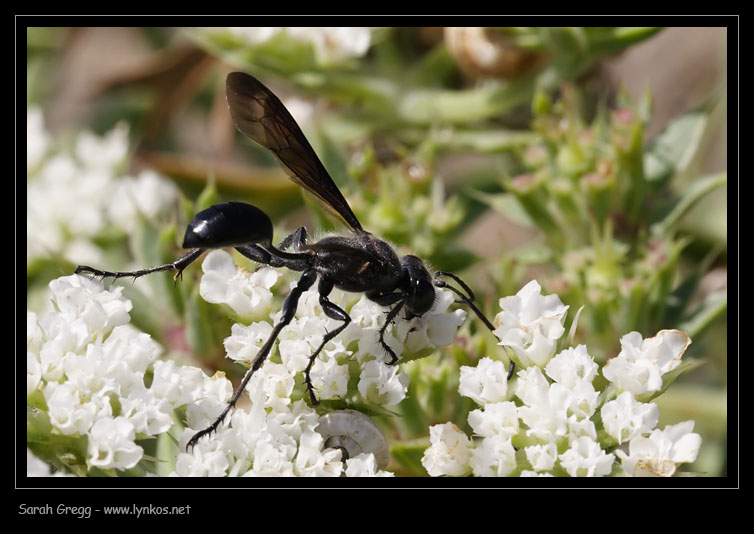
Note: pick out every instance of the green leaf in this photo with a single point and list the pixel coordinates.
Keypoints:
(575, 49)
(452, 258)
(688, 199)
(372, 94)
(435, 66)
(533, 253)
(148, 313)
(200, 333)
(167, 450)
(432, 106)
(707, 406)
(145, 242)
(672, 150)
(207, 197)
(413, 418)
(333, 159)
(568, 47)
(715, 305)
(670, 377)
(662, 280)
(680, 298)
(574, 326)
(608, 40)
(408, 454)
(485, 141)
(505, 204)
(38, 426)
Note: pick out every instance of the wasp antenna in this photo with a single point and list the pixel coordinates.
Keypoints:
(468, 302)
(460, 282)
(477, 311)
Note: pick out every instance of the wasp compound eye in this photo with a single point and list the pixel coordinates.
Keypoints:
(420, 291)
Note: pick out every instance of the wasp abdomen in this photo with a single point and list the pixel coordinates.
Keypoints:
(228, 225)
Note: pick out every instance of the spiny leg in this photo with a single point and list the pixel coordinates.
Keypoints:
(260, 255)
(289, 310)
(389, 319)
(178, 265)
(277, 257)
(334, 312)
(297, 238)
(386, 299)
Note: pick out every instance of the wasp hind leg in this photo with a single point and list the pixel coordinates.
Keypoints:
(178, 265)
(289, 311)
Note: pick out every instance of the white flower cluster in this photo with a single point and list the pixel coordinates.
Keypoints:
(639, 366)
(543, 422)
(275, 437)
(86, 366)
(247, 294)
(89, 365)
(378, 382)
(72, 197)
(530, 324)
(330, 45)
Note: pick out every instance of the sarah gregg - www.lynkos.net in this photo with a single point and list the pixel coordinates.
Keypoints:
(85, 512)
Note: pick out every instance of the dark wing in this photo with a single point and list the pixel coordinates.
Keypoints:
(346, 252)
(260, 115)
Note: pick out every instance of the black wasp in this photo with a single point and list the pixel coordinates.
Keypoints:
(358, 262)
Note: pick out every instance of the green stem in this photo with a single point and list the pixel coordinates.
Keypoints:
(693, 195)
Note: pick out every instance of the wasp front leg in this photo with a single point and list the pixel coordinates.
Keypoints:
(386, 299)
